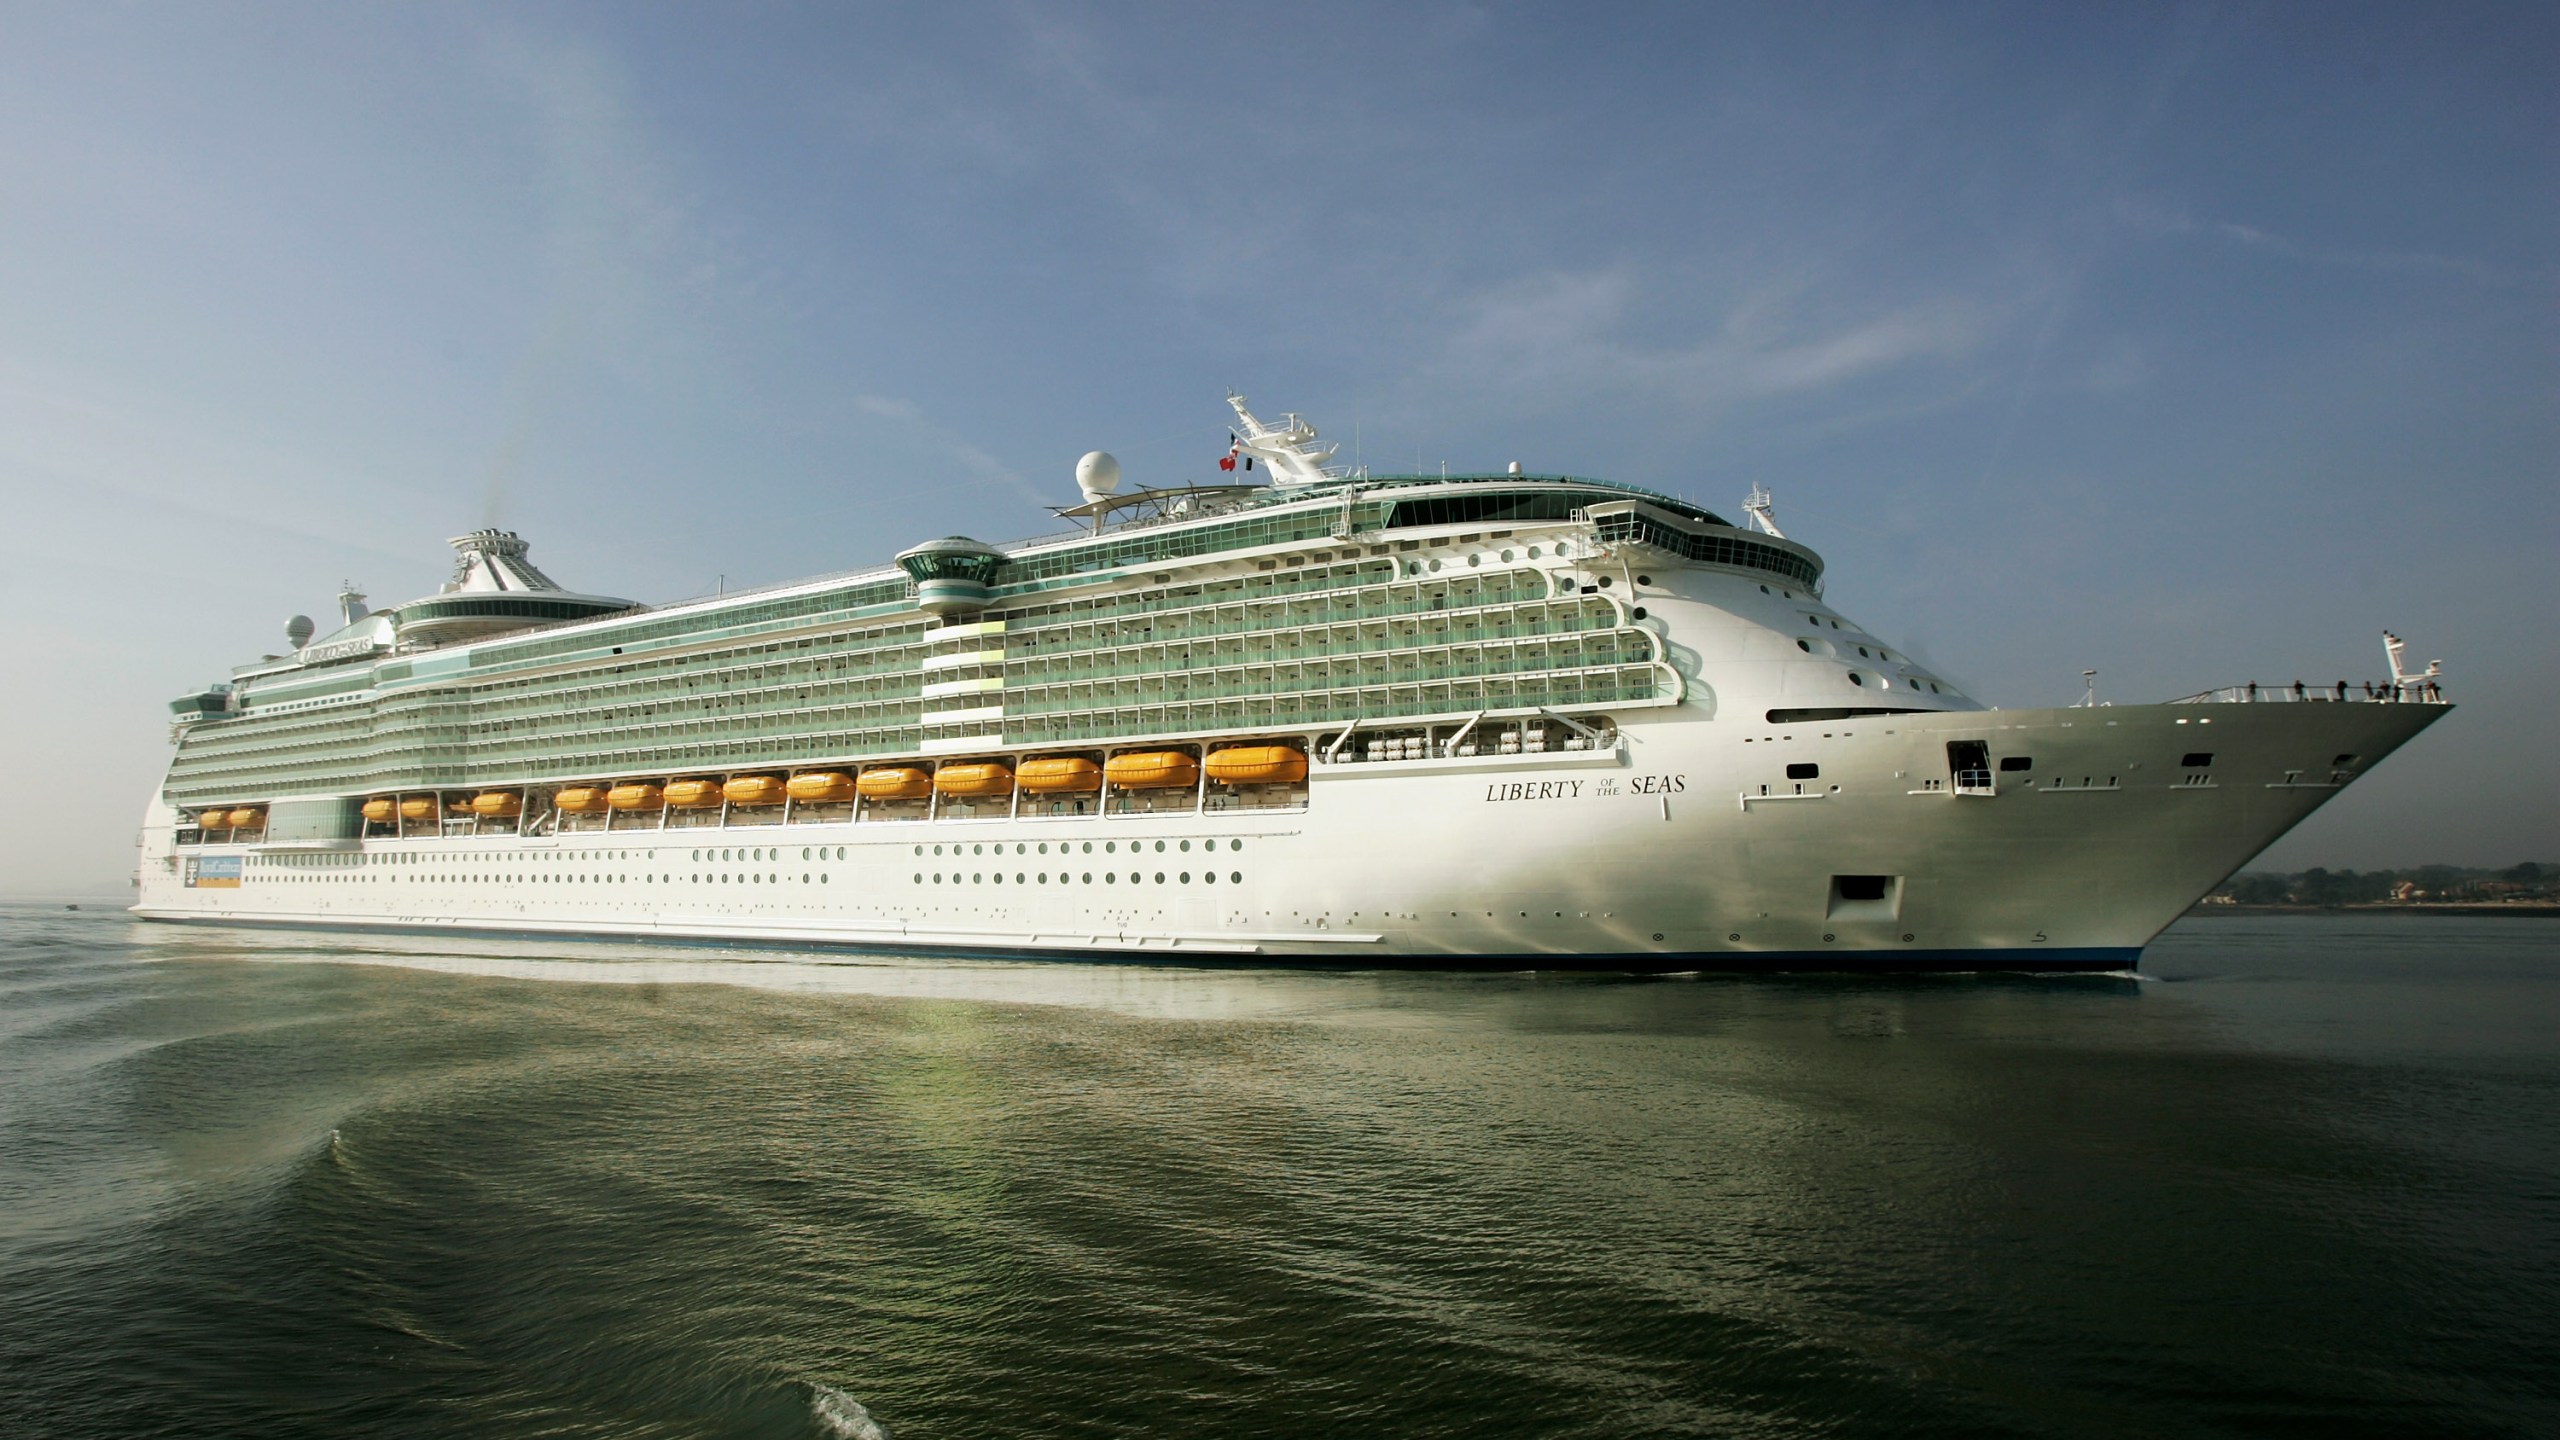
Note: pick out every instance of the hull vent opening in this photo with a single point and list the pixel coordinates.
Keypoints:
(1865, 897)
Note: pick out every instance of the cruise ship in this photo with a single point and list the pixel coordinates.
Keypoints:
(1302, 714)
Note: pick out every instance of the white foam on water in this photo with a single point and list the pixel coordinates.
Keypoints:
(843, 1415)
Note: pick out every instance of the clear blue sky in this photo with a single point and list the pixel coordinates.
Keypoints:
(2195, 344)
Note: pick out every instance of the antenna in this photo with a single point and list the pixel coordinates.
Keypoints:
(1761, 506)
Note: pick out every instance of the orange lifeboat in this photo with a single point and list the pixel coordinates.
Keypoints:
(974, 779)
(248, 817)
(380, 810)
(580, 799)
(213, 819)
(635, 795)
(1060, 775)
(418, 807)
(497, 804)
(894, 782)
(1153, 769)
(1258, 765)
(693, 794)
(827, 787)
(753, 790)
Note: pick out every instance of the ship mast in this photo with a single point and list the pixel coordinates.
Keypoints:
(1288, 451)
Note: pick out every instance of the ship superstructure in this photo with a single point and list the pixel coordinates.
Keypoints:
(1301, 712)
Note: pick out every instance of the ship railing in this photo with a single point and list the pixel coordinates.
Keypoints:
(1973, 782)
(2427, 692)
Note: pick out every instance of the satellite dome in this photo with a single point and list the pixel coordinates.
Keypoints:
(1097, 475)
(297, 631)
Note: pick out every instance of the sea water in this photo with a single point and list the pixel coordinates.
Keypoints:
(2299, 1176)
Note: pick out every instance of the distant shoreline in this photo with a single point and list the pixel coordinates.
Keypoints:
(2530, 909)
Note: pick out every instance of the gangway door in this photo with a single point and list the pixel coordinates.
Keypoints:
(1969, 766)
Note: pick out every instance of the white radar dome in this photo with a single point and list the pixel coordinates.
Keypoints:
(1098, 475)
(297, 631)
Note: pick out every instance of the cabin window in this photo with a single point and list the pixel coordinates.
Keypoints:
(2197, 759)
(2017, 762)
(1802, 770)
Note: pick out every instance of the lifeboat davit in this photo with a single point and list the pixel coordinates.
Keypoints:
(580, 799)
(380, 811)
(497, 804)
(1258, 765)
(693, 794)
(1153, 769)
(894, 782)
(418, 807)
(974, 779)
(1059, 775)
(638, 795)
(753, 790)
(248, 817)
(821, 787)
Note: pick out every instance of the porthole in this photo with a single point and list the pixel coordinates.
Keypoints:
(919, 877)
(1235, 844)
(1533, 552)
(1805, 645)
(1638, 612)
(1088, 877)
(919, 849)
(1604, 581)
(937, 849)
(1764, 589)
(1644, 579)
(1186, 847)
(1186, 877)
(1159, 847)
(1506, 557)
(1110, 847)
(1017, 877)
(1857, 679)
(1236, 878)
(978, 878)
(1044, 847)
(977, 849)
(1088, 847)
(1435, 567)
(1209, 877)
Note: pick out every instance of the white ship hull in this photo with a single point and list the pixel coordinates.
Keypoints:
(1682, 847)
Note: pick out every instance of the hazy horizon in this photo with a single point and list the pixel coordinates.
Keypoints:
(2194, 345)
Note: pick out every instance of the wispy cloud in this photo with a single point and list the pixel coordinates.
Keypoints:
(2156, 219)
(622, 251)
(972, 460)
(1568, 333)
